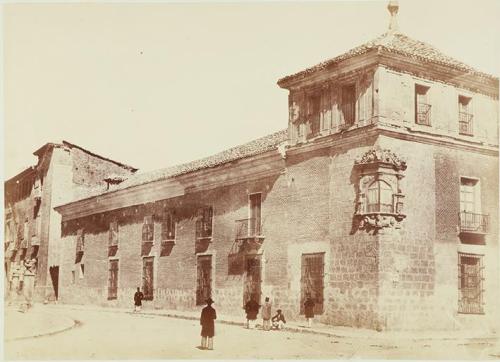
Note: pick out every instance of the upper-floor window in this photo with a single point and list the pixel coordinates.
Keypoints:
(80, 245)
(254, 227)
(348, 105)
(168, 226)
(204, 222)
(469, 195)
(422, 106)
(313, 114)
(465, 125)
(379, 197)
(113, 233)
(148, 229)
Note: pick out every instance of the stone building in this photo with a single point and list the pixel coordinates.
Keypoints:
(380, 200)
(64, 172)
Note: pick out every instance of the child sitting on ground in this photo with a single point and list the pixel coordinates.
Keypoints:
(278, 320)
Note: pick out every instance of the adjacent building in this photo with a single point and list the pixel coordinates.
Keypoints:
(379, 200)
(64, 172)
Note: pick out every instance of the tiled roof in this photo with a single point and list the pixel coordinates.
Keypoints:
(252, 148)
(394, 43)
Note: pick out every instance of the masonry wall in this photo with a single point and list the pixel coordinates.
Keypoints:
(396, 92)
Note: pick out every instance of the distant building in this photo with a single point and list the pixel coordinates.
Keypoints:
(380, 200)
(64, 172)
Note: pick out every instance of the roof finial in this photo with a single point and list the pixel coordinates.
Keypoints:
(393, 7)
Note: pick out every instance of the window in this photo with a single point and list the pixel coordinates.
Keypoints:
(73, 277)
(379, 197)
(168, 226)
(148, 229)
(82, 271)
(348, 106)
(204, 222)
(471, 219)
(113, 279)
(465, 126)
(254, 226)
(312, 280)
(148, 277)
(422, 106)
(204, 279)
(470, 283)
(80, 245)
(314, 110)
(113, 233)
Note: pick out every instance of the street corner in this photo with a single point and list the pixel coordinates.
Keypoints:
(21, 323)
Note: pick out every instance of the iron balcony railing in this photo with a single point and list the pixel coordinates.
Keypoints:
(423, 114)
(474, 223)
(379, 207)
(465, 125)
(246, 228)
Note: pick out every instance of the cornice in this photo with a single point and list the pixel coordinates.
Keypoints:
(259, 166)
(352, 136)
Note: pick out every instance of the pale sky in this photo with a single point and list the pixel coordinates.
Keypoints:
(153, 85)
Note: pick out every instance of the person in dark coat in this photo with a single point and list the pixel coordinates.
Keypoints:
(207, 322)
(138, 297)
(251, 309)
(309, 309)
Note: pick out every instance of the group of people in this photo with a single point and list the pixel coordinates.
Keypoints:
(209, 315)
(252, 310)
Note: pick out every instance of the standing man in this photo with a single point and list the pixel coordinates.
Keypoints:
(266, 315)
(207, 322)
(251, 309)
(138, 297)
(29, 281)
(309, 309)
(14, 285)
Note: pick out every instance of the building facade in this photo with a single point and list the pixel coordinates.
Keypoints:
(64, 172)
(380, 201)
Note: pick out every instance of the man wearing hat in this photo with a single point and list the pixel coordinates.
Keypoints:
(208, 316)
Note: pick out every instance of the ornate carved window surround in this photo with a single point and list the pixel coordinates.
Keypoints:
(380, 200)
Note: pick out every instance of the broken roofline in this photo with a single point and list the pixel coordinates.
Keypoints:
(264, 151)
(71, 145)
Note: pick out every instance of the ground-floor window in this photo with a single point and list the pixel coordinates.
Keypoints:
(470, 283)
(204, 279)
(113, 279)
(312, 280)
(253, 278)
(147, 277)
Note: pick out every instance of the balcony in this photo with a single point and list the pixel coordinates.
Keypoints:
(465, 126)
(248, 229)
(423, 115)
(472, 223)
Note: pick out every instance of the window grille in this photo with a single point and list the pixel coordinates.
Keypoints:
(148, 278)
(422, 106)
(470, 283)
(204, 222)
(113, 279)
(312, 280)
(204, 279)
